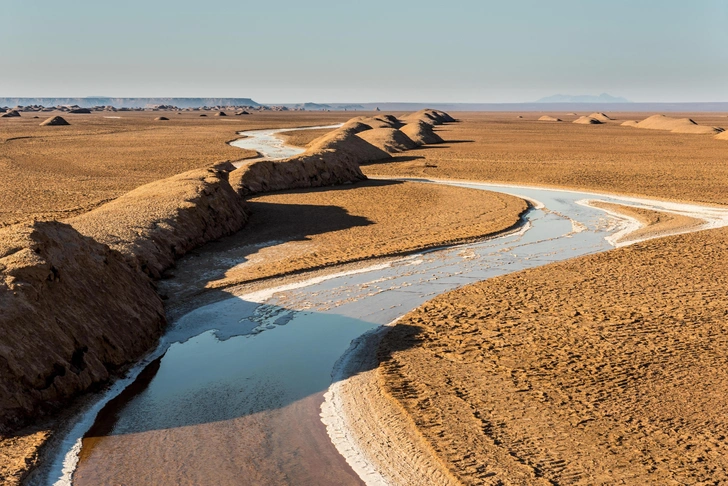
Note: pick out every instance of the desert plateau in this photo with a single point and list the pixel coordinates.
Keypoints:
(371, 245)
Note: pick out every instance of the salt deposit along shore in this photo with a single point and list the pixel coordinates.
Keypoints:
(325, 315)
(380, 441)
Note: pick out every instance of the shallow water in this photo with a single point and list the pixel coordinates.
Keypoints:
(268, 145)
(235, 398)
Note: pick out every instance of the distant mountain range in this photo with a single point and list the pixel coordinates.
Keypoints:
(129, 102)
(602, 98)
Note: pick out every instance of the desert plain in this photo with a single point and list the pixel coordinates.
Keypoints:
(605, 369)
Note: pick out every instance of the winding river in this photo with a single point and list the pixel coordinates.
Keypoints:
(233, 393)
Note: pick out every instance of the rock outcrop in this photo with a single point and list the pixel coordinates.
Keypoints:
(72, 311)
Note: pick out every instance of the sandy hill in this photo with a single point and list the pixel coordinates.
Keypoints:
(587, 120)
(600, 116)
(390, 140)
(549, 118)
(421, 133)
(432, 117)
(161, 118)
(380, 121)
(675, 125)
(10, 114)
(630, 123)
(55, 121)
(220, 113)
(346, 142)
(722, 135)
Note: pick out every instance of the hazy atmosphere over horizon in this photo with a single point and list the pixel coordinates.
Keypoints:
(465, 51)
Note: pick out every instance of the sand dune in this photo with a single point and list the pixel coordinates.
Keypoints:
(10, 114)
(430, 116)
(161, 118)
(600, 116)
(630, 123)
(421, 133)
(345, 141)
(587, 120)
(675, 125)
(379, 121)
(54, 121)
(549, 118)
(390, 140)
(722, 136)
(356, 125)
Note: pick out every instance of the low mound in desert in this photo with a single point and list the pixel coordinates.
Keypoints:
(390, 140)
(10, 114)
(55, 121)
(549, 118)
(421, 133)
(345, 142)
(675, 125)
(600, 116)
(587, 120)
(161, 118)
(722, 135)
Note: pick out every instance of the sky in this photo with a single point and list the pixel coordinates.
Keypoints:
(282, 51)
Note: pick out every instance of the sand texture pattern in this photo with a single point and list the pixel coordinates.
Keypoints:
(580, 371)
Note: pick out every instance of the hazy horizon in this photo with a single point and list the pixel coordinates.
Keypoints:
(329, 52)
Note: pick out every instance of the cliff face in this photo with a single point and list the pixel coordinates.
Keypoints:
(71, 312)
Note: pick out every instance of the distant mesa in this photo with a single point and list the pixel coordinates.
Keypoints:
(675, 125)
(549, 119)
(220, 113)
(10, 114)
(161, 118)
(54, 121)
(565, 98)
(587, 120)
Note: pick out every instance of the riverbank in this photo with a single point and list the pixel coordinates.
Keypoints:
(589, 371)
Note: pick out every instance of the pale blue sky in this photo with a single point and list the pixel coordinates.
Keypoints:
(393, 50)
